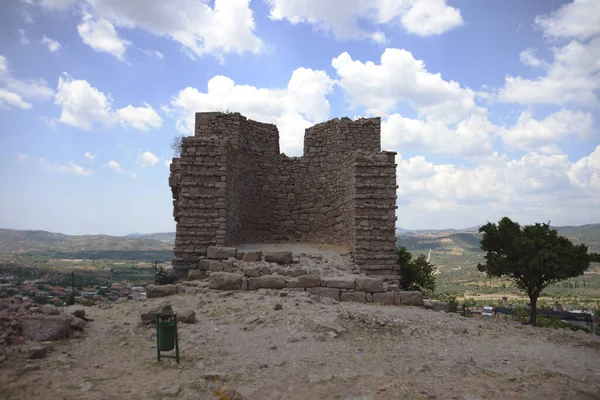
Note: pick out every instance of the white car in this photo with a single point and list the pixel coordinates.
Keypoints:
(487, 312)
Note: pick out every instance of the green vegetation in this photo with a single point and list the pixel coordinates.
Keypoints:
(533, 256)
(455, 259)
(415, 274)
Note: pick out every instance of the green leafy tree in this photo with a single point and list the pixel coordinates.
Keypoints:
(415, 274)
(533, 256)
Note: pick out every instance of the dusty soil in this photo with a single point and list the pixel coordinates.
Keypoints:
(241, 342)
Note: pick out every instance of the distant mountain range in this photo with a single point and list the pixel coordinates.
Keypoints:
(18, 241)
(167, 237)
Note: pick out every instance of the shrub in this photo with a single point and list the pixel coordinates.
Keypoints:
(415, 274)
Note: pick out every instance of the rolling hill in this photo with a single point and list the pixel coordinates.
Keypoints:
(23, 241)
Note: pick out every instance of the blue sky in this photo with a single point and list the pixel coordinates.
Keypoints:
(492, 106)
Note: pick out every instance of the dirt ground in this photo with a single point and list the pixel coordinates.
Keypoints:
(309, 349)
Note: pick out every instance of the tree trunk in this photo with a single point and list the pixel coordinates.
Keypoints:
(533, 313)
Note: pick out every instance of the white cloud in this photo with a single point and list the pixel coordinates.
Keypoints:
(53, 45)
(22, 158)
(227, 27)
(532, 188)
(402, 78)
(112, 164)
(139, 117)
(23, 36)
(147, 159)
(573, 76)
(90, 156)
(12, 99)
(578, 19)
(68, 168)
(83, 106)
(101, 35)
(294, 108)
(528, 57)
(541, 135)
(585, 173)
(470, 137)
(15, 92)
(343, 17)
(153, 53)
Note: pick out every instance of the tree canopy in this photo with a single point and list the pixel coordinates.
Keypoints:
(533, 256)
(415, 274)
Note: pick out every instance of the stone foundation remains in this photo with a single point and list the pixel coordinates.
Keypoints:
(231, 186)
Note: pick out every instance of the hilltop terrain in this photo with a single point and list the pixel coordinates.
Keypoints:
(309, 349)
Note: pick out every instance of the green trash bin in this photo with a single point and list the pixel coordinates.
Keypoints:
(166, 336)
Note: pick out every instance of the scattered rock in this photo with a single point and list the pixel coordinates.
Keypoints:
(267, 282)
(172, 391)
(49, 309)
(328, 292)
(153, 291)
(38, 352)
(279, 257)
(252, 256)
(225, 281)
(78, 324)
(278, 307)
(187, 316)
(46, 327)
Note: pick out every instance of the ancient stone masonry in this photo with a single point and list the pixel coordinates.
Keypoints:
(231, 186)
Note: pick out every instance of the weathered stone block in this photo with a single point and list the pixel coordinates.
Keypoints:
(215, 266)
(294, 272)
(309, 281)
(408, 298)
(221, 253)
(225, 281)
(340, 282)
(386, 298)
(264, 270)
(251, 271)
(291, 283)
(252, 256)
(195, 274)
(358, 297)
(46, 327)
(279, 257)
(266, 282)
(365, 284)
(153, 291)
(328, 292)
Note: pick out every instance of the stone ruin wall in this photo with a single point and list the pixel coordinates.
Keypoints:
(231, 185)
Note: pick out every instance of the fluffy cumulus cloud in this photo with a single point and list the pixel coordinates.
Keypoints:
(112, 164)
(399, 77)
(470, 137)
(91, 157)
(15, 92)
(147, 159)
(68, 168)
(101, 35)
(83, 106)
(141, 118)
(294, 108)
(199, 26)
(53, 45)
(573, 74)
(542, 135)
(531, 187)
(344, 17)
